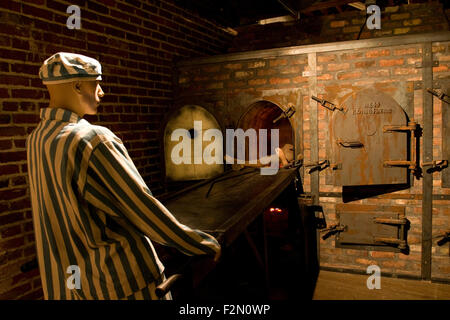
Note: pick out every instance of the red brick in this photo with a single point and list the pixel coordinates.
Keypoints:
(350, 75)
(12, 194)
(405, 71)
(266, 72)
(365, 64)
(352, 56)
(5, 144)
(13, 156)
(4, 93)
(20, 204)
(300, 79)
(25, 118)
(9, 169)
(406, 51)
(393, 264)
(338, 23)
(257, 82)
(27, 93)
(381, 254)
(19, 143)
(279, 80)
(338, 66)
(10, 231)
(378, 73)
(15, 292)
(393, 62)
(377, 53)
(18, 181)
(278, 62)
(440, 69)
(326, 58)
(233, 66)
(325, 77)
(365, 261)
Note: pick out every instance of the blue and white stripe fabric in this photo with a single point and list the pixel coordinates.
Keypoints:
(66, 67)
(91, 208)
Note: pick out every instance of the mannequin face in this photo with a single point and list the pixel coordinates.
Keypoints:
(89, 95)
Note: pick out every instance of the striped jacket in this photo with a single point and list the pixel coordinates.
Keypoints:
(91, 208)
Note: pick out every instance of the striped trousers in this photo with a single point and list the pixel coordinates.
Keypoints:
(148, 293)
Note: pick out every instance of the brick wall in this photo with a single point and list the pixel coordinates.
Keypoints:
(136, 42)
(228, 87)
(398, 20)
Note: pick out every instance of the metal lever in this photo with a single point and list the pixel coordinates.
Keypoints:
(350, 144)
(319, 165)
(401, 244)
(333, 230)
(285, 114)
(445, 239)
(327, 104)
(402, 221)
(440, 95)
(436, 164)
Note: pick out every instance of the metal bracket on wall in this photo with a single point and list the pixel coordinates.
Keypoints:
(286, 114)
(332, 230)
(317, 166)
(440, 95)
(327, 104)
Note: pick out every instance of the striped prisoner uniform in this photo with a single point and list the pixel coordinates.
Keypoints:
(91, 208)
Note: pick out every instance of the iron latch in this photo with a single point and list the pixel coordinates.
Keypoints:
(440, 95)
(411, 164)
(327, 104)
(401, 244)
(332, 230)
(436, 165)
(286, 114)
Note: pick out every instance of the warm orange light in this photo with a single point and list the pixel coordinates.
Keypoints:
(275, 210)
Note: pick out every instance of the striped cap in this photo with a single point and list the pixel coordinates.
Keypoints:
(66, 67)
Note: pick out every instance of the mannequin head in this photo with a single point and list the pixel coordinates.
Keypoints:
(79, 96)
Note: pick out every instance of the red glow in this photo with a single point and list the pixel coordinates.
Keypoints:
(276, 210)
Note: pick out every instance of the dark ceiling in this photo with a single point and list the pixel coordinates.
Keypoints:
(234, 13)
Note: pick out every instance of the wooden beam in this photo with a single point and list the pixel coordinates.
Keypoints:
(318, 6)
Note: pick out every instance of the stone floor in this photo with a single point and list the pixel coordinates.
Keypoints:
(346, 286)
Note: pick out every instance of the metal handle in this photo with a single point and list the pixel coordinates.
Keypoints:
(351, 144)
(399, 242)
(165, 286)
(391, 221)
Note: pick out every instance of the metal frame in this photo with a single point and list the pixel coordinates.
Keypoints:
(324, 47)
(427, 183)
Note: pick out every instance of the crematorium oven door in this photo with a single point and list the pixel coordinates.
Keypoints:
(369, 140)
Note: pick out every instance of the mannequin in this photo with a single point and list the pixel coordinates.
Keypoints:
(80, 96)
